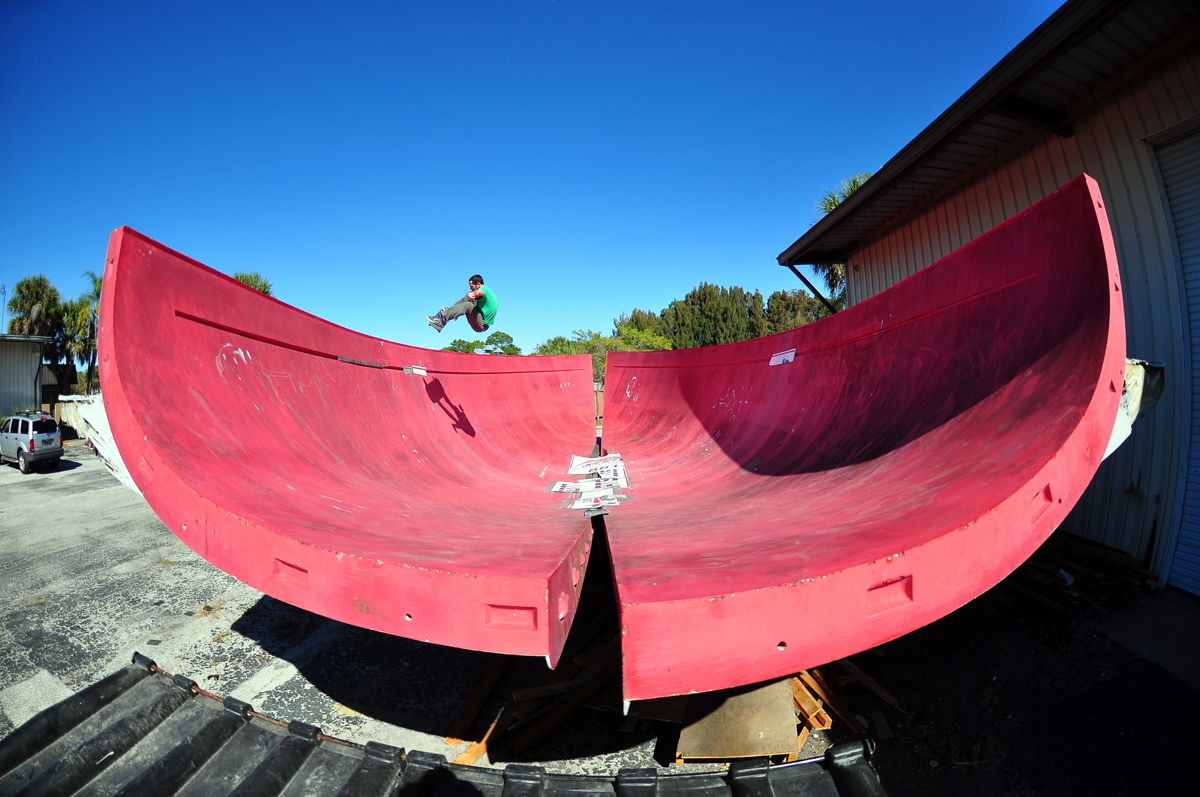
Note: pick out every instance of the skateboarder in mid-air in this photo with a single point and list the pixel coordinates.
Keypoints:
(479, 306)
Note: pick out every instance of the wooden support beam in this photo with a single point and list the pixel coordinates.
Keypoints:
(552, 719)
(482, 691)
(821, 690)
(870, 683)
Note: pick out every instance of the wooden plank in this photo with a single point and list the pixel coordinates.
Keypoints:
(870, 683)
(611, 701)
(549, 722)
(566, 671)
(881, 725)
(477, 749)
(607, 649)
(1034, 596)
(821, 690)
(749, 721)
(802, 737)
(804, 699)
(811, 709)
(482, 691)
(819, 678)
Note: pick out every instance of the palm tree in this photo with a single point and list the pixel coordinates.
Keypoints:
(33, 300)
(255, 280)
(72, 337)
(87, 322)
(835, 273)
(36, 310)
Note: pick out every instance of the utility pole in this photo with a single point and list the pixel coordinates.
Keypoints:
(3, 307)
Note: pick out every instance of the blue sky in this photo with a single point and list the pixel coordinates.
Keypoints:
(585, 157)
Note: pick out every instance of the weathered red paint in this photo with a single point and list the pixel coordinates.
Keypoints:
(916, 450)
(919, 447)
(407, 504)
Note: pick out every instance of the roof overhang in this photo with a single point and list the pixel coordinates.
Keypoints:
(43, 339)
(1084, 52)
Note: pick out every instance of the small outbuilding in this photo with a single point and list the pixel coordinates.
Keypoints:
(1106, 87)
(21, 371)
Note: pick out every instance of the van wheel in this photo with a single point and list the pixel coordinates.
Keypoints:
(22, 462)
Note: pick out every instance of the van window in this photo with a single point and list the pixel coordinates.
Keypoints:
(45, 426)
(24, 427)
(4, 429)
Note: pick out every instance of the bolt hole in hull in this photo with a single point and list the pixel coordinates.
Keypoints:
(904, 456)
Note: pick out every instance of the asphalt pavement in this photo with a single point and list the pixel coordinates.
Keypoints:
(89, 574)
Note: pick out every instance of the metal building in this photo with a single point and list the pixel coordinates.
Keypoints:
(21, 371)
(1106, 87)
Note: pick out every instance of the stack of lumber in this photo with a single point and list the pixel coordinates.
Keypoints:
(590, 664)
(810, 709)
(1069, 574)
(733, 727)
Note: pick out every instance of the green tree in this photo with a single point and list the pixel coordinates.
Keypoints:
(630, 339)
(758, 325)
(71, 334)
(586, 341)
(706, 316)
(710, 315)
(496, 343)
(641, 320)
(255, 280)
(834, 274)
(32, 306)
(790, 309)
(86, 323)
(36, 309)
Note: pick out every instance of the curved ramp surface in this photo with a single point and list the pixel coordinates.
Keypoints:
(806, 496)
(301, 457)
(799, 498)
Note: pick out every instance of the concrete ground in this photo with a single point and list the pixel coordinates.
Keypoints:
(1164, 628)
(994, 702)
(88, 575)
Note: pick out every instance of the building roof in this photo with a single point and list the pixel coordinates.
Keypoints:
(1083, 53)
(26, 339)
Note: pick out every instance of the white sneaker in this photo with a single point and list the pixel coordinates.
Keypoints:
(436, 321)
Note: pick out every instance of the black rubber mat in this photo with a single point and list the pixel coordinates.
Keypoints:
(141, 732)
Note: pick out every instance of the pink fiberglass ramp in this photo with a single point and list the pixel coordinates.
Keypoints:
(304, 460)
(803, 497)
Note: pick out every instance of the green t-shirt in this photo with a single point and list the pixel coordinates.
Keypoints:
(487, 305)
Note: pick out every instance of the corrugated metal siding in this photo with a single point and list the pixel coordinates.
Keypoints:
(1050, 80)
(20, 362)
(1133, 501)
(1179, 164)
